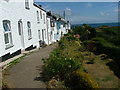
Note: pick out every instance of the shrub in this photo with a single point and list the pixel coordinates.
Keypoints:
(60, 66)
(103, 46)
(80, 79)
(63, 60)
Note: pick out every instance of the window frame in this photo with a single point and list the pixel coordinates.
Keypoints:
(27, 4)
(41, 14)
(8, 40)
(39, 34)
(45, 34)
(44, 17)
(29, 30)
(38, 18)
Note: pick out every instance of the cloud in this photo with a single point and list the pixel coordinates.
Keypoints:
(111, 5)
(78, 19)
(89, 5)
(116, 10)
(104, 13)
(47, 7)
(68, 9)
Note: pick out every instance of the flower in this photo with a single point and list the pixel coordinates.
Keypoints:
(65, 58)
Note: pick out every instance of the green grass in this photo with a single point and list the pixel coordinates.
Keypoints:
(16, 61)
(107, 78)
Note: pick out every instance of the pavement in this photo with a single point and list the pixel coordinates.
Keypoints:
(27, 73)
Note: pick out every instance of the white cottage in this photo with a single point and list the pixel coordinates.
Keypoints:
(16, 27)
(41, 22)
(23, 26)
(19, 27)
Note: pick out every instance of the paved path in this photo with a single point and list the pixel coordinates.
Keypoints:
(27, 73)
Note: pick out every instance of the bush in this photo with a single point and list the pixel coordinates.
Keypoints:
(60, 66)
(80, 79)
(100, 45)
(63, 60)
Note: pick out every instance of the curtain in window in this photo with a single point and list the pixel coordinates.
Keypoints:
(6, 25)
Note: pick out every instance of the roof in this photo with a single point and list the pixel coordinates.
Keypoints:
(39, 6)
(56, 17)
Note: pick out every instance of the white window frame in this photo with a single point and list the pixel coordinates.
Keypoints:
(41, 14)
(8, 32)
(39, 34)
(38, 18)
(29, 30)
(44, 17)
(27, 6)
(45, 34)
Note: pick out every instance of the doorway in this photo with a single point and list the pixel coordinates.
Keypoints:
(20, 29)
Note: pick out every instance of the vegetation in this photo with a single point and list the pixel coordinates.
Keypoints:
(80, 79)
(80, 44)
(66, 60)
(105, 40)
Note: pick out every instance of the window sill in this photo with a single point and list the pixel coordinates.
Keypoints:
(38, 22)
(30, 38)
(27, 8)
(9, 46)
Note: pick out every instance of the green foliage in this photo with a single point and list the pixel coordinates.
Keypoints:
(85, 31)
(80, 79)
(115, 41)
(16, 61)
(102, 46)
(60, 66)
(63, 60)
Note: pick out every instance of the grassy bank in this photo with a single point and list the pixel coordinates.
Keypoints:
(65, 65)
(83, 58)
(102, 40)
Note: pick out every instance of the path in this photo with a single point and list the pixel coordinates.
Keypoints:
(27, 73)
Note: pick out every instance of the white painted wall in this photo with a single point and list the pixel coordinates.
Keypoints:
(1, 35)
(40, 26)
(49, 31)
(14, 11)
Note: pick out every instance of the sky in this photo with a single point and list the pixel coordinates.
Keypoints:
(84, 12)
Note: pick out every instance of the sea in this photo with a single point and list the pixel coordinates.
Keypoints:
(99, 24)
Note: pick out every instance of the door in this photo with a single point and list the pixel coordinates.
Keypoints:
(20, 28)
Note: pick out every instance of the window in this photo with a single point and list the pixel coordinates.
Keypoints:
(44, 18)
(64, 25)
(7, 33)
(38, 18)
(29, 30)
(52, 24)
(19, 27)
(45, 33)
(39, 34)
(27, 4)
(41, 14)
(6, 0)
(47, 24)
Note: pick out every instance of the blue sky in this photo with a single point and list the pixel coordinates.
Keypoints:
(85, 12)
